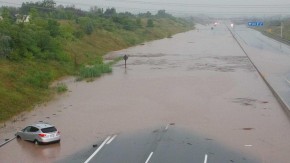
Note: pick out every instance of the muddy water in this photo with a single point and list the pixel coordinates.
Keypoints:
(199, 80)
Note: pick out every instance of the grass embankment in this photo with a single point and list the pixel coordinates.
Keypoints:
(273, 29)
(102, 41)
(26, 83)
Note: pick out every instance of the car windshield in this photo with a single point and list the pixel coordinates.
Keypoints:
(49, 129)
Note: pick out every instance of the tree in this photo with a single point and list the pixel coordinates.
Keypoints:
(110, 12)
(161, 13)
(89, 28)
(5, 46)
(150, 23)
(87, 25)
(53, 27)
(139, 22)
(33, 14)
(50, 4)
(6, 14)
(95, 11)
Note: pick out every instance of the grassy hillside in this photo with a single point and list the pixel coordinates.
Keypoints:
(102, 41)
(29, 63)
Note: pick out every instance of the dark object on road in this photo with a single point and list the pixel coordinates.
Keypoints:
(95, 145)
(125, 58)
(248, 128)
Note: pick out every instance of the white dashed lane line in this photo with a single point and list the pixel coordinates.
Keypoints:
(166, 128)
(111, 139)
(101, 146)
(149, 157)
(205, 158)
(287, 81)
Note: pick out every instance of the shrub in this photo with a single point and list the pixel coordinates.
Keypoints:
(38, 79)
(61, 87)
(94, 71)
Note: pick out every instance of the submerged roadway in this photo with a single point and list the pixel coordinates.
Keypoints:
(195, 97)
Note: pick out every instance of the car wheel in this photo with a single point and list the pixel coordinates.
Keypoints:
(18, 137)
(36, 142)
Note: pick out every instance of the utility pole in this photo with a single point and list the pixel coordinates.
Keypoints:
(281, 29)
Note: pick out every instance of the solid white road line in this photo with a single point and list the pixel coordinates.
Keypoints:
(101, 146)
(205, 159)
(149, 157)
(111, 139)
(248, 145)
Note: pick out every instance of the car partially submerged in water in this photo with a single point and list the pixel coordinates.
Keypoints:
(39, 133)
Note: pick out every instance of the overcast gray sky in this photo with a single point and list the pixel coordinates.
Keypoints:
(180, 7)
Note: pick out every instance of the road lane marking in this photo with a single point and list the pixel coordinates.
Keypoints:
(101, 146)
(166, 128)
(248, 145)
(7, 141)
(149, 157)
(287, 81)
(111, 139)
(205, 158)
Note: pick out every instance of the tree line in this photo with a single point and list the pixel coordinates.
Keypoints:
(35, 30)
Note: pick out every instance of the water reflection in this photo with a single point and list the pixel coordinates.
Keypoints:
(40, 152)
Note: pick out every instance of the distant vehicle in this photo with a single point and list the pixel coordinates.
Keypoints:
(39, 133)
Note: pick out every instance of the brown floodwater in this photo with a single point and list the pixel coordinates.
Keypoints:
(199, 80)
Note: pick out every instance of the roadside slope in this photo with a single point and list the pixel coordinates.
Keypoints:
(25, 82)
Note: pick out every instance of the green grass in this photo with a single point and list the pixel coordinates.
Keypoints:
(94, 71)
(275, 30)
(26, 84)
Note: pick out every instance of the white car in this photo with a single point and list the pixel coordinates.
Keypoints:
(39, 133)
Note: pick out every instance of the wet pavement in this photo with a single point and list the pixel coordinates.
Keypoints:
(168, 144)
(271, 57)
(199, 80)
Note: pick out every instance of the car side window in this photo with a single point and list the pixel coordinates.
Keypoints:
(33, 129)
(27, 129)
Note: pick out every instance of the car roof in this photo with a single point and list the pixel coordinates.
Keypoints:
(41, 125)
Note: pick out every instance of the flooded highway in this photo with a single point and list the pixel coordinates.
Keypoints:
(200, 80)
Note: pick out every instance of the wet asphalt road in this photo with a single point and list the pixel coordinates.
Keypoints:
(167, 144)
